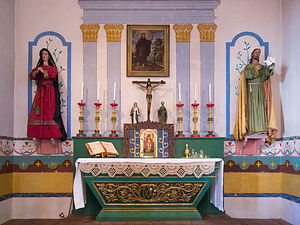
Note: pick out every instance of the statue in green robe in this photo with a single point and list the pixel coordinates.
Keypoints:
(162, 113)
(255, 111)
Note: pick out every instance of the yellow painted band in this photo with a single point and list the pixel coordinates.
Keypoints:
(291, 184)
(262, 183)
(42, 182)
(6, 183)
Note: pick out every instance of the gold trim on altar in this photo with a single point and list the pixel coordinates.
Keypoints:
(149, 193)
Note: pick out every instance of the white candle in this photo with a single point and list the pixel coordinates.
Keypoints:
(209, 93)
(179, 92)
(98, 91)
(195, 92)
(82, 85)
(115, 91)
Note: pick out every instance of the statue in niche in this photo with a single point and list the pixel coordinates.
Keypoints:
(45, 115)
(255, 110)
(134, 113)
(149, 86)
(163, 113)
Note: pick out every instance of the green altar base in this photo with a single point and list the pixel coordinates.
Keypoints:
(212, 147)
(153, 198)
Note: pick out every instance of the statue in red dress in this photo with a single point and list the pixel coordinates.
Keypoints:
(45, 116)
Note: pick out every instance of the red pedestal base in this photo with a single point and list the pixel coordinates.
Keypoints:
(97, 135)
(195, 135)
(80, 135)
(210, 135)
(113, 135)
(180, 135)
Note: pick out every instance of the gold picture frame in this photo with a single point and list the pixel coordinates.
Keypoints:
(148, 50)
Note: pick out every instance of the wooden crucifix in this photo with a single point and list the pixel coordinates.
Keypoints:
(149, 86)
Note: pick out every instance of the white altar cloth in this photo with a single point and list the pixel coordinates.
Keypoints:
(89, 163)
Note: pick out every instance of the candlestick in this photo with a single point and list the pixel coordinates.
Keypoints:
(195, 120)
(115, 91)
(113, 119)
(81, 119)
(209, 93)
(179, 92)
(179, 119)
(97, 119)
(210, 120)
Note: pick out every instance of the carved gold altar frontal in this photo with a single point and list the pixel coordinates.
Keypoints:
(145, 193)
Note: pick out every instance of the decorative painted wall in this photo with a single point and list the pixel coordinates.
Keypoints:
(23, 158)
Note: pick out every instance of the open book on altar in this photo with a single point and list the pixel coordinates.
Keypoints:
(102, 148)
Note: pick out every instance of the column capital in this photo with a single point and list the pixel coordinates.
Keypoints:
(89, 32)
(183, 32)
(113, 32)
(207, 32)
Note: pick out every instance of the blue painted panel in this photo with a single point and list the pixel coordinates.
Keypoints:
(183, 77)
(114, 76)
(207, 77)
(134, 143)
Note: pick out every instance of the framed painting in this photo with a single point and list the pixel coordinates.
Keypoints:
(148, 50)
(148, 140)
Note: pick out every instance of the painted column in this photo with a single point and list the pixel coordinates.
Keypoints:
(89, 37)
(207, 44)
(113, 38)
(183, 38)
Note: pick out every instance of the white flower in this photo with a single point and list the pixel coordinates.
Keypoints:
(269, 61)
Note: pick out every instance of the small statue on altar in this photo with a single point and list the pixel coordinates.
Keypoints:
(163, 113)
(134, 113)
(149, 86)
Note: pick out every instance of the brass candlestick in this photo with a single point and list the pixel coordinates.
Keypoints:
(195, 120)
(97, 120)
(210, 120)
(81, 119)
(114, 120)
(179, 119)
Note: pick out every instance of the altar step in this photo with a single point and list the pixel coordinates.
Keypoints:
(88, 219)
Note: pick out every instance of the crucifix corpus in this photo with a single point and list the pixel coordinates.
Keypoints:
(149, 86)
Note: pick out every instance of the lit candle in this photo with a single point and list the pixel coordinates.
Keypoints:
(82, 85)
(98, 91)
(179, 92)
(195, 92)
(115, 91)
(209, 93)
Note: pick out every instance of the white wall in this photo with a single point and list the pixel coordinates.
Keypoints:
(234, 17)
(7, 60)
(32, 18)
(290, 66)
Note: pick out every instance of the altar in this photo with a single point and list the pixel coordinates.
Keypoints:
(142, 189)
